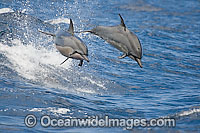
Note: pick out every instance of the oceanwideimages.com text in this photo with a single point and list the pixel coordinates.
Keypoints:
(96, 121)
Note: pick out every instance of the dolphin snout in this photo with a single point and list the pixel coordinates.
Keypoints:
(139, 62)
(85, 58)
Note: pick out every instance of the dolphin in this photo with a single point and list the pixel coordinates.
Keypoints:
(70, 45)
(121, 38)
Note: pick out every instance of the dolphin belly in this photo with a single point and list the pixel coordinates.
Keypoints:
(118, 46)
(65, 51)
(69, 52)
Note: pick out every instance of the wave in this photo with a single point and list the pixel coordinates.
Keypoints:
(188, 113)
(54, 110)
(42, 65)
(29, 61)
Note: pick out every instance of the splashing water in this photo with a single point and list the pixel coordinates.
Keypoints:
(30, 61)
(42, 65)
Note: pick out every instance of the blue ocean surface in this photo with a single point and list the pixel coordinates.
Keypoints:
(32, 81)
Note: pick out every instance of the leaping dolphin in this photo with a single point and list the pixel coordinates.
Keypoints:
(121, 38)
(70, 45)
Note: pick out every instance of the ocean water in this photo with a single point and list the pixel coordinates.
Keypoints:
(32, 81)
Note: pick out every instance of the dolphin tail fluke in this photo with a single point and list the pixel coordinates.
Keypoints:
(47, 33)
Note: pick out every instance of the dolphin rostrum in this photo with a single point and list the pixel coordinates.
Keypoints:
(70, 45)
(121, 38)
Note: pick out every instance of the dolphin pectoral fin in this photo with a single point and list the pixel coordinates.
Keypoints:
(122, 22)
(85, 58)
(64, 61)
(71, 27)
(123, 56)
(81, 63)
(46, 33)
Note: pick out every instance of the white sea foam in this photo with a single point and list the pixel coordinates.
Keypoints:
(184, 113)
(99, 84)
(58, 21)
(5, 10)
(85, 90)
(42, 65)
(51, 110)
(30, 61)
(24, 11)
(189, 112)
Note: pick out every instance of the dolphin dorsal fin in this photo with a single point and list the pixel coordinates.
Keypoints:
(71, 27)
(122, 22)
